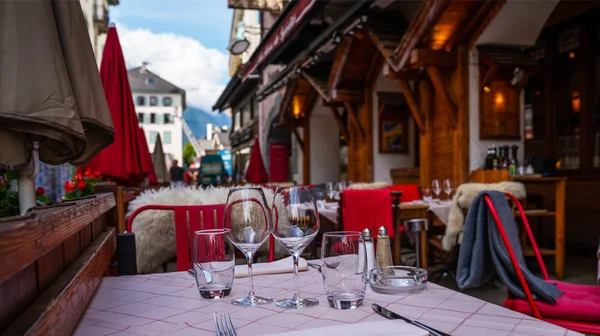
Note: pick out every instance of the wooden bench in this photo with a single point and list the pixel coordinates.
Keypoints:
(51, 261)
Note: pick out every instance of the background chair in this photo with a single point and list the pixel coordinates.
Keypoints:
(577, 309)
(188, 219)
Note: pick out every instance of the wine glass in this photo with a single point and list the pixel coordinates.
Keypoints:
(296, 224)
(340, 187)
(427, 195)
(248, 219)
(330, 189)
(447, 187)
(435, 186)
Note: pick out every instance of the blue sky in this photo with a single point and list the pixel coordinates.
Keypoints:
(184, 41)
(207, 21)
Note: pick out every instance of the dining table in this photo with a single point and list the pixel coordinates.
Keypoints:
(170, 304)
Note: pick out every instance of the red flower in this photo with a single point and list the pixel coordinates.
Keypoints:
(69, 186)
(80, 171)
(88, 172)
(81, 184)
(40, 191)
(95, 175)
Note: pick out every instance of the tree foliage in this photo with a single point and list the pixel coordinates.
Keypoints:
(189, 153)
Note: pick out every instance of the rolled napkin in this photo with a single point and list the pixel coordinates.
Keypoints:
(380, 328)
(285, 265)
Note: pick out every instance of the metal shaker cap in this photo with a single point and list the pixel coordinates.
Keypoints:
(366, 233)
(383, 231)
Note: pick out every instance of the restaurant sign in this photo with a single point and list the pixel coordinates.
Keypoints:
(282, 32)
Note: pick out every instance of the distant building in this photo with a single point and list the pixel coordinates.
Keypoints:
(159, 106)
(96, 17)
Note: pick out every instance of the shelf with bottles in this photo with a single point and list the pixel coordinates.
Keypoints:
(504, 158)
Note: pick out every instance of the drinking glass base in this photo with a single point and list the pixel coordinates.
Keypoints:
(214, 294)
(251, 301)
(297, 303)
(344, 303)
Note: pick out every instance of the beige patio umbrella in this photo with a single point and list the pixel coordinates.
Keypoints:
(51, 96)
(160, 164)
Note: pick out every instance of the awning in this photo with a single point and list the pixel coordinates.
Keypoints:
(348, 19)
(235, 91)
(287, 24)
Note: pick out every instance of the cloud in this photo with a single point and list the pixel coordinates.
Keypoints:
(183, 61)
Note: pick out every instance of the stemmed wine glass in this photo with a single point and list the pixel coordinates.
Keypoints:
(447, 187)
(330, 188)
(435, 187)
(340, 187)
(296, 224)
(248, 219)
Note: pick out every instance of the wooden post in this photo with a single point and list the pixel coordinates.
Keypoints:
(306, 152)
(412, 105)
(559, 257)
(442, 90)
(426, 143)
(461, 133)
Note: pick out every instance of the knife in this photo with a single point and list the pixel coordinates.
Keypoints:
(393, 316)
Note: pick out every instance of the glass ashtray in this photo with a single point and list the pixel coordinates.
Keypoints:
(398, 279)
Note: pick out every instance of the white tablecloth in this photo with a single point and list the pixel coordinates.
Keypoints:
(169, 304)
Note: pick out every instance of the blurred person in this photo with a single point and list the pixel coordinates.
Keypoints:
(176, 174)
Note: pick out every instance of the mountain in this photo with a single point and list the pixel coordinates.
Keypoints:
(197, 119)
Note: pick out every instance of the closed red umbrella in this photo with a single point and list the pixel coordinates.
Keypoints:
(147, 164)
(123, 160)
(256, 172)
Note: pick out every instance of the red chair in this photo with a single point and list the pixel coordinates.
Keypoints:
(410, 192)
(577, 309)
(201, 217)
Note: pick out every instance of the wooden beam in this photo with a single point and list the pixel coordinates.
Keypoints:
(413, 105)
(342, 56)
(321, 90)
(306, 152)
(339, 121)
(440, 87)
(423, 58)
(461, 133)
(341, 95)
(353, 118)
(426, 17)
(488, 75)
(60, 307)
(298, 138)
(287, 98)
(426, 155)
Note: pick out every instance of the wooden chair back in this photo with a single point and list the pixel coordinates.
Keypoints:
(52, 259)
(188, 219)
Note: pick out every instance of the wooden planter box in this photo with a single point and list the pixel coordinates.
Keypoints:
(51, 262)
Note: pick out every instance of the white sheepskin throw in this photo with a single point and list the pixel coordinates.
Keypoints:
(373, 185)
(462, 200)
(155, 230)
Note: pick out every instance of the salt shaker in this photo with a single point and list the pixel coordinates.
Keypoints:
(370, 253)
(384, 250)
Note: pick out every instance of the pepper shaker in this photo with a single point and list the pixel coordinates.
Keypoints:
(384, 251)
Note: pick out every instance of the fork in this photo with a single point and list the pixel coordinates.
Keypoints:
(223, 325)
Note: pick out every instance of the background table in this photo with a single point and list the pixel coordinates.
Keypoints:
(169, 303)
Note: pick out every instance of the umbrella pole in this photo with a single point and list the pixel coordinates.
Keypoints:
(26, 187)
(26, 183)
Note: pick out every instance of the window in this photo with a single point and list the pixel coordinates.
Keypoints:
(167, 101)
(153, 101)
(237, 122)
(153, 118)
(246, 114)
(167, 137)
(153, 135)
(140, 101)
(140, 116)
(160, 119)
(168, 118)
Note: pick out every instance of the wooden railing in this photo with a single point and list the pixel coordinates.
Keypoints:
(51, 261)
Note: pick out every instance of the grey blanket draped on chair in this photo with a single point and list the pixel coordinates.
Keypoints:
(482, 253)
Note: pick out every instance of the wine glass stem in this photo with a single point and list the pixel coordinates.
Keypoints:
(251, 290)
(296, 257)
